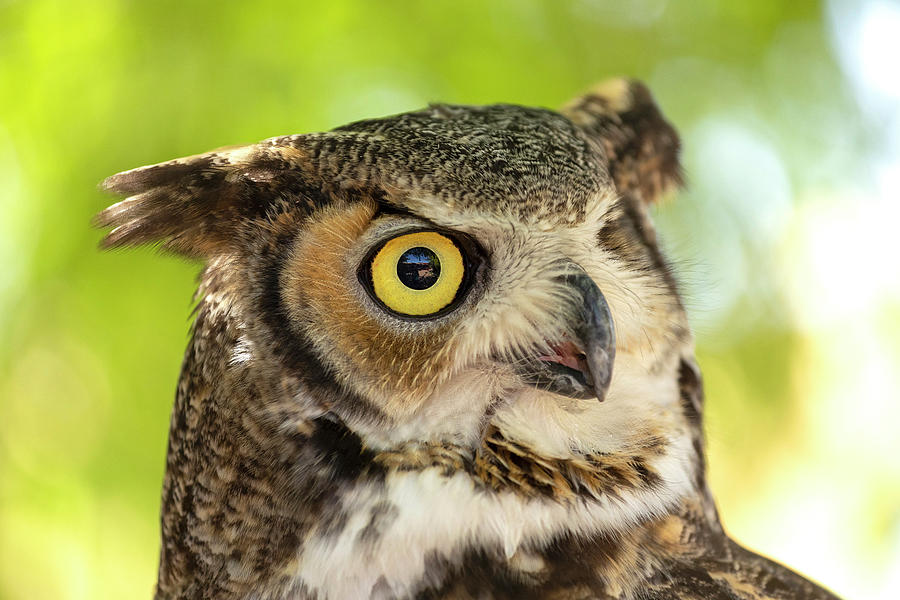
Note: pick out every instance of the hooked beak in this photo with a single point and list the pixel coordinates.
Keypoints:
(581, 366)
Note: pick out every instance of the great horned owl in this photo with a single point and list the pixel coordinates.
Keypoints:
(438, 355)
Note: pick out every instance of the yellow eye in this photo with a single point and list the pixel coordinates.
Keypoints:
(417, 273)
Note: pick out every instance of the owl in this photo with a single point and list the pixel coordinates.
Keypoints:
(438, 355)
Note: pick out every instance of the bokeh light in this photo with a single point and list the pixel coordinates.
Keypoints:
(785, 240)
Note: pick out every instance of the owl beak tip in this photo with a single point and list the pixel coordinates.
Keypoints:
(600, 369)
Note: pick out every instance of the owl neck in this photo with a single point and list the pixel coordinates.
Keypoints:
(265, 487)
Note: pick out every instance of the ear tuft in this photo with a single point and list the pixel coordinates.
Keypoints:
(195, 205)
(641, 147)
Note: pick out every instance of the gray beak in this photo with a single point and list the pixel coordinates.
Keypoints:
(582, 365)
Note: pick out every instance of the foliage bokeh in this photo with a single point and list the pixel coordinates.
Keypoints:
(783, 241)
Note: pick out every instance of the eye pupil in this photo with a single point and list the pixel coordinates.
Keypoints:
(418, 268)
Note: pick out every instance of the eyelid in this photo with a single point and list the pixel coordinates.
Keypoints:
(386, 208)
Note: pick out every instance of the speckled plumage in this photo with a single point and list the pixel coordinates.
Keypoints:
(323, 448)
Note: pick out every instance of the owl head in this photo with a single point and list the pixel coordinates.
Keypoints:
(474, 288)
(437, 351)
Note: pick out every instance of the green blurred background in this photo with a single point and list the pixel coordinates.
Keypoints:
(785, 241)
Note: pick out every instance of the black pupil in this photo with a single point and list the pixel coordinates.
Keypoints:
(418, 268)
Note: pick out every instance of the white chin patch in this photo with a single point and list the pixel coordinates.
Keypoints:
(438, 515)
(444, 516)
